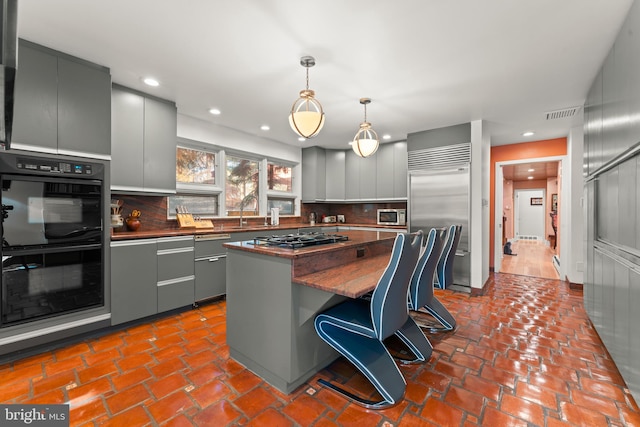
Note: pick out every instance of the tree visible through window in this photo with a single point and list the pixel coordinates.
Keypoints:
(195, 166)
(279, 177)
(241, 186)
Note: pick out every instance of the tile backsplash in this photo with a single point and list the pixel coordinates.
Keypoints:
(354, 213)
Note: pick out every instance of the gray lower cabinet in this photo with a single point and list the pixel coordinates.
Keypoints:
(62, 103)
(134, 292)
(210, 266)
(176, 278)
(144, 139)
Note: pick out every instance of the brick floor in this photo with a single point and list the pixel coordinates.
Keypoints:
(523, 354)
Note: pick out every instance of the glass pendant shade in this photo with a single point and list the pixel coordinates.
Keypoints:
(365, 143)
(306, 117)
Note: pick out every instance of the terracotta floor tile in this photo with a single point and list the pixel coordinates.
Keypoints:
(17, 388)
(356, 416)
(468, 401)
(270, 418)
(167, 367)
(244, 381)
(492, 418)
(125, 399)
(87, 411)
(537, 395)
(71, 351)
(522, 408)
(222, 413)
(53, 396)
(557, 384)
(580, 416)
(96, 371)
(95, 358)
(507, 379)
(167, 385)
(434, 380)
(135, 361)
(210, 392)
(70, 363)
(42, 385)
(602, 404)
(89, 391)
(204, 374)
(254, 402)
(133, 417)
(304, 410)
(170, 406)
(130, 378)
(441, 413)
(178, 421)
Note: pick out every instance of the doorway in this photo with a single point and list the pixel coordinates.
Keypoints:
(524, 190)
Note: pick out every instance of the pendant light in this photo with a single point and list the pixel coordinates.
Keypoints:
(306, 117)
(365, 143)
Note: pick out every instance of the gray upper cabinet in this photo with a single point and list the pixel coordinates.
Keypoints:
(335, 175)
(62, 104)
(144, 134)
(400, 159)
(348, 177)
(313, 174)
(352, 176)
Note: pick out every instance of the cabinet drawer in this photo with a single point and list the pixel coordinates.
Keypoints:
(211, 277)
(175, 294)
(166, 243)
(175, 263)
(210, 245)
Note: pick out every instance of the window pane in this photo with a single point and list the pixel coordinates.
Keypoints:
(195, 166)
(285, 205)
(241, 186)
(196, 205)
(279, 177)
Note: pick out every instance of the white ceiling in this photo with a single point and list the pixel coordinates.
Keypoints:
(424, 63)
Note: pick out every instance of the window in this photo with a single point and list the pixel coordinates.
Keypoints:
(278, 177)
(195, 166)
(286, 206)
(203, 206)
(241, 186)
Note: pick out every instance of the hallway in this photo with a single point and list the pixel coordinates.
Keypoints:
(530, 258)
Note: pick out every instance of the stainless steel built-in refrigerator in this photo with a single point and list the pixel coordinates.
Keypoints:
(438, 198)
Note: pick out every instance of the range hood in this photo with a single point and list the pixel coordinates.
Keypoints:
(9, 60)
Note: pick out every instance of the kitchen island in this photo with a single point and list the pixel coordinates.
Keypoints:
(274, 294)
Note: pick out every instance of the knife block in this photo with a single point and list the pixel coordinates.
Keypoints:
(185, 220)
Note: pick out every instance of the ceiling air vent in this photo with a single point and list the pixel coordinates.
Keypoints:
(562, 114)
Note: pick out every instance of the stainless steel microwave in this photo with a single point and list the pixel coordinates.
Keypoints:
(392, 216)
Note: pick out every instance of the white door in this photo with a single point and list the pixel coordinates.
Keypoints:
(498, 250)
(529, 214)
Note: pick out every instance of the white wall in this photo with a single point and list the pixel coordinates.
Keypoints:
(479, 220)
(571, 221)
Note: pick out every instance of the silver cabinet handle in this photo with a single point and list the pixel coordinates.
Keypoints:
(214, 259)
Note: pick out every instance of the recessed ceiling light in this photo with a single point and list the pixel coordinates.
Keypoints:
(529, 133)
(350, 142)
(151, 82)
(214, 111)
(530, 170)
(265, 127)
(302, 139)
(529, 177)
(386, 136)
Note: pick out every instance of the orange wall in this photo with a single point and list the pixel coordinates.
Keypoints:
(522, 151)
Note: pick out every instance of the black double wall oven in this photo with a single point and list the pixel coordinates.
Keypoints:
(52, 237)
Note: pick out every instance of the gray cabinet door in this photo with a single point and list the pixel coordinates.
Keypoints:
(313, 174)
(134, 291)
(400, 178)
(368, 169)
(352, 175)
(35, 120)
(211, 277)
(127, 148)
(84, 108)
(335, 174)
(160, 138)
(385, 173)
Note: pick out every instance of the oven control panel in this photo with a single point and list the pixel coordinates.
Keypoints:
(43, 165)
